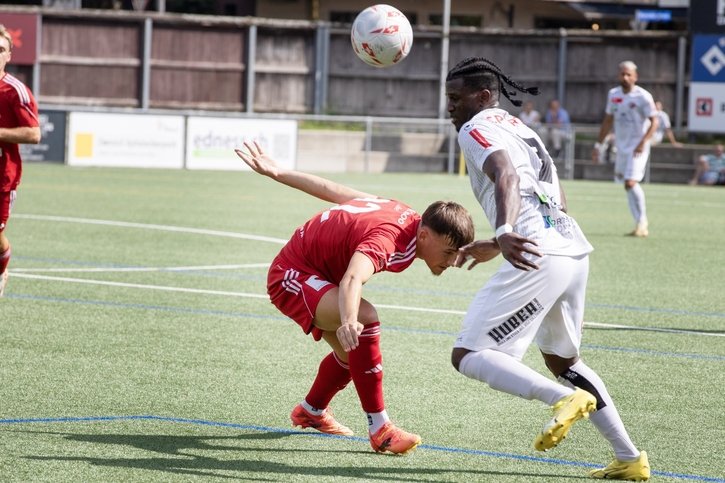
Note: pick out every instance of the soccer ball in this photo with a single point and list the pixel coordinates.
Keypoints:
(381, 36)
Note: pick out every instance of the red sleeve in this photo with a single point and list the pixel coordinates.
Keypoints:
(378, 247)
(26, 109)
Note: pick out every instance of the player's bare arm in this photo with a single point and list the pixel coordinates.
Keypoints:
(499, 168)
(605, 129)
(316, 186)
(480, 251)
(359, 271)
(20, 135)
(653, 123)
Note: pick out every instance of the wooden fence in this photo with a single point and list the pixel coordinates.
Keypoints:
(148, 60)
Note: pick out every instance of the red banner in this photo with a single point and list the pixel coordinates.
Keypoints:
(23, 28)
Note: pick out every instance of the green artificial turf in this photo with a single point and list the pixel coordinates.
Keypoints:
(138, 343)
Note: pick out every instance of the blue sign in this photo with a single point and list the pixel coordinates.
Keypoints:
(708, 58)
(653, 15)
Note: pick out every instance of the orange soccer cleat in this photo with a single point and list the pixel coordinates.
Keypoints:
(392, 438)
(325, 423)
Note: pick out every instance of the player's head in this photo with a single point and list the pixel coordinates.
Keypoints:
(627, 75)
(475, 84)
(445, 227)
(6, 46)
(659, 106)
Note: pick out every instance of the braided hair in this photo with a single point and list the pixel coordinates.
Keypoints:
(481, 73)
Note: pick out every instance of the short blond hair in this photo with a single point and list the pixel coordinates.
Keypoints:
(4, 33)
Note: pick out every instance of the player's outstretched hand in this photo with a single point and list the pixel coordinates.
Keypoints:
(480, 250)
(514, 247)
(348, 334)
(257, 160)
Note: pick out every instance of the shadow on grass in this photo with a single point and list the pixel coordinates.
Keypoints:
(182, 462)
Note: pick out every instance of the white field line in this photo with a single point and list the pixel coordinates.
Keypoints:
(260, 296)
(178, 229)
(138, 285)
(141, 269)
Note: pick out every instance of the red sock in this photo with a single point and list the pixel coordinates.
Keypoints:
(332, 377)
(366, 367)
(4, 259)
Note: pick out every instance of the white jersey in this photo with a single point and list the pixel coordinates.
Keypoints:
(663, 124)
(540, 219)
(631, 114)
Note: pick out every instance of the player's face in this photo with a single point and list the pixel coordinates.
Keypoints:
(463, 102)
(627, 78)
(4, 53)
(435, 250)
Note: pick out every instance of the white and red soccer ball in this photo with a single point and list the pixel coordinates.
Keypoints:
(381, 36)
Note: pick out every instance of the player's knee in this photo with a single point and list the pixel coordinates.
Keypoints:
(367, 313)
(558, 365)
(457, 356)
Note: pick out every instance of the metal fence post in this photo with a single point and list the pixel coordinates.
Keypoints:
(251, 57)
(368, 142)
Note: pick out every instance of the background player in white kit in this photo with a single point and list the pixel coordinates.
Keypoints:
(538, 293)
(632, 112)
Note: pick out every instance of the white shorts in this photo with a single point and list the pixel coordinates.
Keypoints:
(629, 166)
(515, 308)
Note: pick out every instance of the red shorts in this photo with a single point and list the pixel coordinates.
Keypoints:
(296, 294)
(7, 198)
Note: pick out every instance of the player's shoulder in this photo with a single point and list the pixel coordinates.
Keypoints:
(615, 91)
(641, 91)
(13, 86)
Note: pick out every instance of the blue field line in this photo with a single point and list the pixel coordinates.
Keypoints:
(268, 429)
(223, 313)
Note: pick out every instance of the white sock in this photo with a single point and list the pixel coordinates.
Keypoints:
(636, 198)
(641, 205)
(633, 206)
(504, 373)
(606, 419)
(377, 420)
(311, 410)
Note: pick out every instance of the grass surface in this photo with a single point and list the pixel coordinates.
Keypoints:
(138, 343)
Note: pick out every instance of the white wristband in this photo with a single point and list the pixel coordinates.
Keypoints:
(506, 228)
(597, 145)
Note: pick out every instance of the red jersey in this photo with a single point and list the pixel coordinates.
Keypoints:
(17, 109)
(383, 230)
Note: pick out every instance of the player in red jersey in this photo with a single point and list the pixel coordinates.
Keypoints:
(18, 124)
(317, 280)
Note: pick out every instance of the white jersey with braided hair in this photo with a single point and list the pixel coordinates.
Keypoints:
(541, 218)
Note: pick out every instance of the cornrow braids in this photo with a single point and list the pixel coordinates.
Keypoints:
(482, 73)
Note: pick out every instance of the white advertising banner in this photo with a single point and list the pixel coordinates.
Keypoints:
(707, 107)
(210, 141)
(125, 140)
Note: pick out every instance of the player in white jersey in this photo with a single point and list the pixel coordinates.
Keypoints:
(538, 293)
(632, 112)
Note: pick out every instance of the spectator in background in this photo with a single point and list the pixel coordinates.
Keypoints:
(558, 125)
(18, 124)
(664, 127)
(710, 168)
(530, 116)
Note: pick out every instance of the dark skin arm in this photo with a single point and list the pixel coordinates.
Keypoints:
(500, 170)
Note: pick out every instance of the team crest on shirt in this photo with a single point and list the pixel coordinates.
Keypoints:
(617, 100)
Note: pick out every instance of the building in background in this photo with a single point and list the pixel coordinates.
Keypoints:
(519, 14)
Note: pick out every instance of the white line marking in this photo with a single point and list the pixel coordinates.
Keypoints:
(394, 307)
(138, 285)
(141, 269)
(178, 229)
